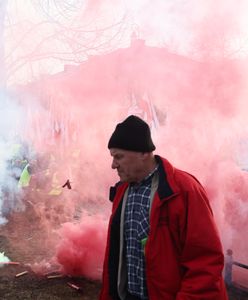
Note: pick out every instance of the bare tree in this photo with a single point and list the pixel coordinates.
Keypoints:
(66, 33)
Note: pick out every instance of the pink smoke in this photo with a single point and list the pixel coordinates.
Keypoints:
(184, 71)
(81, 249)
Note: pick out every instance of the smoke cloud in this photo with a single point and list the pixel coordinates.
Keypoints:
(180, 65)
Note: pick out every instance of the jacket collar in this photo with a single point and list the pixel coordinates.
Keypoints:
(166, 188)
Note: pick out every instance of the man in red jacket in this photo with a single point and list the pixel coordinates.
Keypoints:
(162, 239)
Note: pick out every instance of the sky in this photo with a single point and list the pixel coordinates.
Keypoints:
(208, 29)
(193, 96)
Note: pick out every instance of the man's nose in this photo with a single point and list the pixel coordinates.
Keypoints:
(114, 164)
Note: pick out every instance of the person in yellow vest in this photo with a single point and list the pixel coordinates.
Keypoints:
(56, 189)
(25, 177)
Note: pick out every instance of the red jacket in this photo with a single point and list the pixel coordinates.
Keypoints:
(183, 253)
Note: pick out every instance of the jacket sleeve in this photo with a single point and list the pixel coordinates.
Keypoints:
(202, 258)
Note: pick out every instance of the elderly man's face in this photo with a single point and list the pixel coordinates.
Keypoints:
(129, 164)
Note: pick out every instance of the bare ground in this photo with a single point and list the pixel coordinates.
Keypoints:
(30, 286)
(21, 240)
(33, 286)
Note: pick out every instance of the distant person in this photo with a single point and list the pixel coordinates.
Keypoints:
(162, 241)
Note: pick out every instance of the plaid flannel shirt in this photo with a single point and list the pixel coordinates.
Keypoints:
(136, 229)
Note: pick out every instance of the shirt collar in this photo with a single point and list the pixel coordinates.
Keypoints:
(146, 179)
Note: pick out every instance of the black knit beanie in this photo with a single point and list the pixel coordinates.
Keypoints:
(132, 134)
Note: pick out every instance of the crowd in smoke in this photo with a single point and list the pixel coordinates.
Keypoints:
(13, 152)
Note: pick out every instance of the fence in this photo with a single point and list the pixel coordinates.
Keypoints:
(228, 273)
